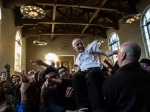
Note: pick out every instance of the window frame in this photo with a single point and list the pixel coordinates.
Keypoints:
(147, 50)
(110, 45)
(18, 42)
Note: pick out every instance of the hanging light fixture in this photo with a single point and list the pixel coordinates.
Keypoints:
(130, 18)
(32, 12)
(39, 42)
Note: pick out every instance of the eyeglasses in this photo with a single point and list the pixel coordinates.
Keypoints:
(61, 72)
(50, 77)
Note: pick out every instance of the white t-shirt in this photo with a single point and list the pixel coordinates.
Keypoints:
(89, 58)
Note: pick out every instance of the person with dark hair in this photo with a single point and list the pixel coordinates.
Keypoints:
(30, 95)
(144, 63)
(64, 73)
(54, 92)
(5, 75)
(14, 79)
(14, 89)
(4, 105)
(129, 89)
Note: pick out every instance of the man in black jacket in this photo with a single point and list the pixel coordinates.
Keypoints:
(129, 89)
(55, 92)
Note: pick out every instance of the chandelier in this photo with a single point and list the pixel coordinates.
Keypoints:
(32, 12)
(39, 42)
(130, 18)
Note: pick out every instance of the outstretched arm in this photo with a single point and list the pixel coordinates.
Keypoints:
(39, 62)
(107, 53)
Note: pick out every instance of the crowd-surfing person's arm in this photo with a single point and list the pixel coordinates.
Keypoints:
(107, 53)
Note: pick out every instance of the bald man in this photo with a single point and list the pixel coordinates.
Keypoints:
(87, 82)
(129, 89)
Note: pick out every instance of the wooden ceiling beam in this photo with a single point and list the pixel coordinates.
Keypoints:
(93, 16)
(60, 27)
(53, 19)
(72, 22)
(43, 27)
(62, 14)
(27, 33)
(81, 14)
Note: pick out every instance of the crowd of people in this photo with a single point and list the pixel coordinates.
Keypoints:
(92, 87)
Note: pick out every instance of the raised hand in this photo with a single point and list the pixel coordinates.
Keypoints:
(39, 62)
(40, 75)
(24, 77)
(7, 66)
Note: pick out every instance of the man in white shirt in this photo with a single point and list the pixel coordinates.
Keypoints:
(88, 80)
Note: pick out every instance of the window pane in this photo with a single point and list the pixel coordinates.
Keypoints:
(147, 14)
(146, 30)
(148, 49)
(146, 36)
(147, 42)
(144, 21)
(18, 52)
(149, 28)
(114, 44)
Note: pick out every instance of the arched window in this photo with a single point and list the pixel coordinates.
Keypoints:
(18, 48)
(114, 44)
(146, 30)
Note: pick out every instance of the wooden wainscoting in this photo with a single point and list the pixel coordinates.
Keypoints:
(67, 61)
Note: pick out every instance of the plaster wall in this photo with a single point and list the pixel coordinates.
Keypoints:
(7, 40)
(53, 46)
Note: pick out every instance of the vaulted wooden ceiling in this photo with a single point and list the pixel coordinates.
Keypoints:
(73, 17)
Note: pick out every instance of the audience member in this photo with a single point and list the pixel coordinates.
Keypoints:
(3, 76)
(4, 105)
(129, 89)
(144, 62)
(31, 76)
(87, 81)
(64, 73)
(30, 96)
(54, 94)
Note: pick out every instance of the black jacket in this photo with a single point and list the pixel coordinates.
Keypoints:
(56, 100)
(128, 90)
